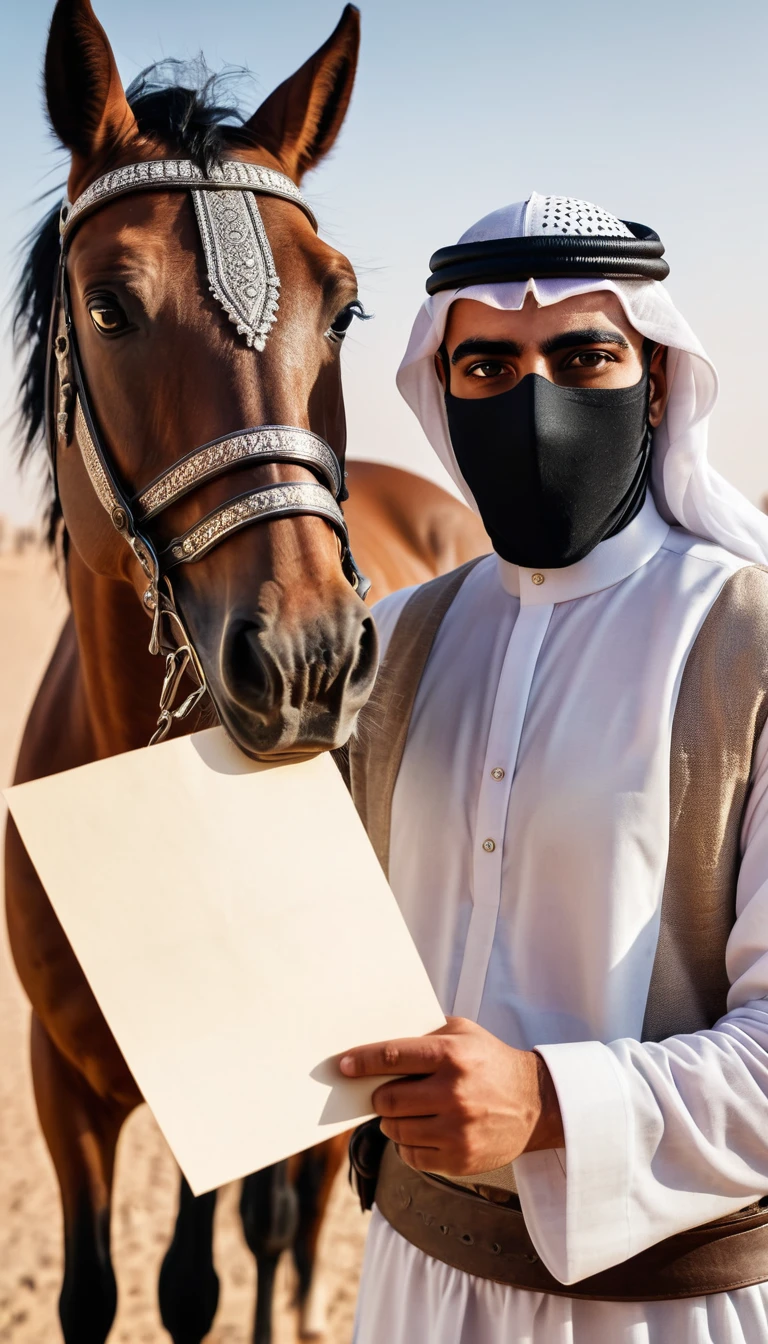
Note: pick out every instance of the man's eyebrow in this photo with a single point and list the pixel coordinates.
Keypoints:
(565, 340)
(587, 336)
(480, 345)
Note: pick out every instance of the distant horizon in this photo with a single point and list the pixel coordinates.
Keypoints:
(455, 115)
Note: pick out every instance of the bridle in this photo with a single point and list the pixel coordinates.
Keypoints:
(242, 277)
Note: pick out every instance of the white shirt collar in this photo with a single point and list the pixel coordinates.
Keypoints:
(609, 563)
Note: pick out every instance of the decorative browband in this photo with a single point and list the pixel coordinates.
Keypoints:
(181, 174)
(272, 443)
(547, 257)
(239, 261)
(285, 500)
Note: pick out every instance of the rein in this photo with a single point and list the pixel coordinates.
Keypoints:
(242, 277)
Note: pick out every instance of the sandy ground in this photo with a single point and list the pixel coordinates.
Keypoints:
(31, 611)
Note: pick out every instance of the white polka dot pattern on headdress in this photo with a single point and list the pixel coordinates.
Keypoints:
(563, 214)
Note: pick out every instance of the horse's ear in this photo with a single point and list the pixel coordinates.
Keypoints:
(86, 102)
(300, 121)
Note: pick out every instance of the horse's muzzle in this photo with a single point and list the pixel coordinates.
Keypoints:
(294, 688)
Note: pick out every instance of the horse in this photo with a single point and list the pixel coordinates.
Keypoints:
(136, 366)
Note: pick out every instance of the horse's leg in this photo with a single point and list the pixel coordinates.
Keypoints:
(314, 1182)
(189, 1284)
(81, 1130)
(269, 1209)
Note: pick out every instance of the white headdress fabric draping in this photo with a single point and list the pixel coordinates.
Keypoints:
(686, 488)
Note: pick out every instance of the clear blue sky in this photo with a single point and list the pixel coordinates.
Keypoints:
(658, 113)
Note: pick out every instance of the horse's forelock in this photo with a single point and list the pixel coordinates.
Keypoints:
(187, 105)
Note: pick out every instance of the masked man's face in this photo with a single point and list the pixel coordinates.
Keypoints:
(583, 342)
(551, 414)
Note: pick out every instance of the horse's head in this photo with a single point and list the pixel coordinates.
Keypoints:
(285, 642)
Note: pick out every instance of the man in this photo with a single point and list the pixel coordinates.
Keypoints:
(565, 773)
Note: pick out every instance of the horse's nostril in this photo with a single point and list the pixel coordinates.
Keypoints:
(366, 653)
(275, 673)
(250, 668)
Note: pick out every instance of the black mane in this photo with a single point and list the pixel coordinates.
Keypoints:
(179, 103)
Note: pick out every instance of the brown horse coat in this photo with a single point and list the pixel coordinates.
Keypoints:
(288, 645)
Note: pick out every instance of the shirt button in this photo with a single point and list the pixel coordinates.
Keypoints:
(489, 846)
(537, 579)
(497, 772)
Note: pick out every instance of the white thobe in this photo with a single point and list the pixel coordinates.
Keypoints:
(530, 832)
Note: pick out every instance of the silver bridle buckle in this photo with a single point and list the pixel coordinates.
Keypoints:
(180, 659)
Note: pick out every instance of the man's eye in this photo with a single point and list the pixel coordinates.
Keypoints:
(490, 368)
(107, 316)
(589, 359)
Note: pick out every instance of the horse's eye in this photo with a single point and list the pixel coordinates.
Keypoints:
(343, 321)
(107, 316)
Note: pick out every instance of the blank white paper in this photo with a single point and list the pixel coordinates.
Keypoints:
(239, 935)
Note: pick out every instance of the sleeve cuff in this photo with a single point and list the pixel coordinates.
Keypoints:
(576, 1202)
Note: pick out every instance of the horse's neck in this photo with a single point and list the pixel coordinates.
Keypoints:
(120, 680)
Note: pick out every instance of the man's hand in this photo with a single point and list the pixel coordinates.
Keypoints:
(464, 1102)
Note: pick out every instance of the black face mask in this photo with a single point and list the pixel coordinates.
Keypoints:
(554, 470)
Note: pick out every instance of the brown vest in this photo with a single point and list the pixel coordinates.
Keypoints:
(721, 710)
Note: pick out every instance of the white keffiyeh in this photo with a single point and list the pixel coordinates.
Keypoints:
(686, 488)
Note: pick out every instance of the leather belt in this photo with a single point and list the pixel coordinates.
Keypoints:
(491, 1241)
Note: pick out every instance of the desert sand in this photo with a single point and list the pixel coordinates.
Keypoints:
(32, 608)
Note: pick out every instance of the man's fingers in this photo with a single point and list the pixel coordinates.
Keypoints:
(421, 1159)
(420, 1132)
(413, 1096)
(421, 1054)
